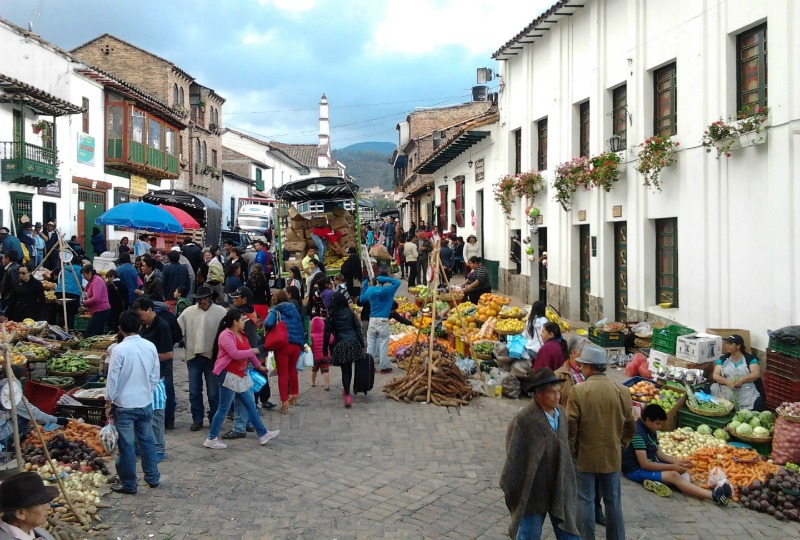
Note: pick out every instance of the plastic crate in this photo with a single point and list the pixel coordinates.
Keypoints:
(81, 324)
(788, 350)
(780, 389)
(783, 365)
(92, 415)
(665, 339)
(687, 418)
(606, 339)
(43, 396)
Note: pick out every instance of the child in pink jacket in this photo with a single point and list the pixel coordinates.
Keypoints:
(321, 362)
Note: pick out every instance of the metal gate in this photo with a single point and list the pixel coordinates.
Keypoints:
(585, 256)
(21, 205)
(91, 204)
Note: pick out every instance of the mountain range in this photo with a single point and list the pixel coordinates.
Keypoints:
(369, 163)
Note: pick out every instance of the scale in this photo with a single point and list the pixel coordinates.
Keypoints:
(5, 393)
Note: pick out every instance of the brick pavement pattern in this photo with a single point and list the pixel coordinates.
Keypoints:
(378, 470)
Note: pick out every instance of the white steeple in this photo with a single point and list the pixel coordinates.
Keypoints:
(324, 159)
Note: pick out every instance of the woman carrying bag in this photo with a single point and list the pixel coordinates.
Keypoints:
(348, 341)
(231, 353)
(285, 337)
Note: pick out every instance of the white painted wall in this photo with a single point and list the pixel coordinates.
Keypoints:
(738, 248)
(232, 190)
(280, 171)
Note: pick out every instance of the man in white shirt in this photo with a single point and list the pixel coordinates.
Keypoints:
(199, 324)
(133, 374)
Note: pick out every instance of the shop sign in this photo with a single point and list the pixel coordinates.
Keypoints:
(138, 185)
(85, 149)
(51, 190)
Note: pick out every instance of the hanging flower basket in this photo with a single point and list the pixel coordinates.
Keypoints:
(606, 170)
(656, 153)
(528, 184)
(725, 136)
(504, 194)
(571, 175)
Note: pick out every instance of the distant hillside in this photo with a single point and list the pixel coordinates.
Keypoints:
(369, 163)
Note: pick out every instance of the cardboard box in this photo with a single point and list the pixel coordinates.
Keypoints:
(707, 367)
(299, 223)
(288, 264)
(614, 351)
(658, 357)
(341, 212)
(318, 222)
(671, 424)
(338, 223)
(698, 347)
(725, 332)
(295, 246)
(295, 236)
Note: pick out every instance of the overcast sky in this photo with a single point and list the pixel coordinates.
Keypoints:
(376, 60)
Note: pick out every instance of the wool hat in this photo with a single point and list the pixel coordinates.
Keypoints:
(542, 377)
(242, 291)
(203, 292)
(24, 490)
(593, 355)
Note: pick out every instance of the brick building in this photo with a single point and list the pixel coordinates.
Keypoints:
(200, 144)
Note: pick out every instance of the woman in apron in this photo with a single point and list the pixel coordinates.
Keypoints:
(736, 373)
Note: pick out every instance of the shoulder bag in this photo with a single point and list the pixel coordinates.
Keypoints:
(278, 336)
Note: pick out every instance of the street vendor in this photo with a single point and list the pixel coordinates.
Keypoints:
(321, 234)
(477, 280)
(737, 375)
(25, 505)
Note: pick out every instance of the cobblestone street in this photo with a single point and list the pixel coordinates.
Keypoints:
(378, 470)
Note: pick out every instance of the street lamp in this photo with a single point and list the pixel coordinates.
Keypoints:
(615, 143)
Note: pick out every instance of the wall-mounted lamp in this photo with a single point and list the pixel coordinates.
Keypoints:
(470, 163)
(615, 143)
(484, 75)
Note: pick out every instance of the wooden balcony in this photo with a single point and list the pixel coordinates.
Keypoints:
(25, 163)
(135, 157)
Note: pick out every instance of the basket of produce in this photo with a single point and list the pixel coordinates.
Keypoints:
(453, 296)
(749, 438)
(69, 365)
(34, 327)
(34, 353)
(53, 347)
(95, 396)
(509, 327)
(482, 350)
(103, 341)
(709, 408)
(16, 359)
(750, 426)
(58, 382)
(408, 307)
(789, 411)
(15, 330)
(512, 312)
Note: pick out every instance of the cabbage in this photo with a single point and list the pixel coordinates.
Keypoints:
(744, 429)
(687, 429)
(766, 417)
(743, 415)
(722, 435)
(761, 433)
(734, 424)
(705, 429)
(755, 422)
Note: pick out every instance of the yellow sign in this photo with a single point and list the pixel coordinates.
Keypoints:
(138, 185)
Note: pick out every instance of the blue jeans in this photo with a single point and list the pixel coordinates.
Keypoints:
(136, 426)
(530, 528)
(320, 246)
(199, 368)
(612, 500)
(244, 401)
(240, 420)
(158, 434)
(378, 339)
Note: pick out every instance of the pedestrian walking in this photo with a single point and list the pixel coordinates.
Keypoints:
(411, 255)
(539, 477)
(133, 374)
(343, 329)
(321, 357)
(380, 297)
(286, 356)
(600, 425)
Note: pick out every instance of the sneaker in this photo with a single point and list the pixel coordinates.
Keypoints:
(268, 405)
(267, 436)
(233, 435)
(215, 444)
(196, 426)
(348, 400)
(119, 488)
(722, 495)
(658, 488)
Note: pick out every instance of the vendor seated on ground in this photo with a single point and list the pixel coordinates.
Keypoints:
(644, 463)
(24, 506)
(737, 376)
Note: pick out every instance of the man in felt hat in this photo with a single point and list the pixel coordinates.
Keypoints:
(25, 505)
(600, 425)
(539, 476)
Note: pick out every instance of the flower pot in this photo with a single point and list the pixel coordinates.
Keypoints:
(37, 130)
(751, 138)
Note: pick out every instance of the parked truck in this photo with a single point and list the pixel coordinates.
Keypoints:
(256, 215)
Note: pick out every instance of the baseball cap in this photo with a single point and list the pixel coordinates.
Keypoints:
(594, 355)
(175, 248)
(243, 292)
(734, 338)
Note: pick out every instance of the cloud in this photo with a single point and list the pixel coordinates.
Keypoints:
(291, 6)
(251, 36)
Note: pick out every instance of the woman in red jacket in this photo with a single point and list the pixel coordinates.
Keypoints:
(553, 353)
(96, 301)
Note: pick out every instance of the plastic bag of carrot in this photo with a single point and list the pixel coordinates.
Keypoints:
(742, 466)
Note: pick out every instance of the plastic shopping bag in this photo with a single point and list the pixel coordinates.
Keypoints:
(308, 357)
(258, 380)
(717, 478)
(516, 345)
(271, 366)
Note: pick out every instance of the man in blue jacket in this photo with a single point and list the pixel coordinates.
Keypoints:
(380, 297)
(128, 274)
(263, 257)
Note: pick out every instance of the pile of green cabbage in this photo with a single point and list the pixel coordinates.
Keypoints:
(753, 424)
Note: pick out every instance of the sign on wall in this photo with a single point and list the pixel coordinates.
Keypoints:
(85, 149)
(479, 171)
(51, 190)
(138, 185)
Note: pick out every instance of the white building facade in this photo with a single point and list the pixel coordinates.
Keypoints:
(719, 241)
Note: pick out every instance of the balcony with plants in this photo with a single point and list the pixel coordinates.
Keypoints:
(27, 163)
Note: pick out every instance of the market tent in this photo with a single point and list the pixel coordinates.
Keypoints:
(187, 221)
(142, 216)
(207, 213)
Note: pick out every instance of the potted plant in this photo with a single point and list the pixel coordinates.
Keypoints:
(41, 125)
(751, 122)
(569, 176)
(656, 153)
(725, 136)
(528, 184)
(504, 194)
(606, 170)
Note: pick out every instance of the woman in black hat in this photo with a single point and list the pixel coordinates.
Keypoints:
(539, 476)
(25, 505)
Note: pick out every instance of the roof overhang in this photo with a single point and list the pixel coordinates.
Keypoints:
(39, 101)
(317, 189)
(538, 28)
(452, 150)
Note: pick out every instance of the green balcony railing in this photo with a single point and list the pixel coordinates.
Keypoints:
(25, 163)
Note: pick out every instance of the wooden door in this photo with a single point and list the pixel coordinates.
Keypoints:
(585, 270)
(621, 271)
(542, 235)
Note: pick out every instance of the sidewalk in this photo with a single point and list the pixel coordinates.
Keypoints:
(378, 470)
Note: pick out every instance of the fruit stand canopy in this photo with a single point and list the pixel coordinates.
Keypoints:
(317, 189)
(207, 213)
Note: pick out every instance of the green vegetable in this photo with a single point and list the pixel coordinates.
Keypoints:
(755, 422)
(705, 429)
(760, 432)
(744, 429)
(722, 435)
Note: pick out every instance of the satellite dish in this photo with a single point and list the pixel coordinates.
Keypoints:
(66, 256)
(5, 393)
